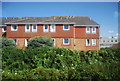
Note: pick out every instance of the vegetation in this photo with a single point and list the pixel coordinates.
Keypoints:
(48, 63)
(40, 42)
(5, 42)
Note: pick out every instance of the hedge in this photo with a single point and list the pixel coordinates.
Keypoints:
(48, 63)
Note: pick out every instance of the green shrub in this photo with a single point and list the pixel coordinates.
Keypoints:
(40, 42)
(60, 64)
(5, 42)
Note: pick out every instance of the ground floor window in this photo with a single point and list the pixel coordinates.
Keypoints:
(87, 42)
(53, 41)
(66, 41)
(15, 40)
(93, 42)
(26, 42)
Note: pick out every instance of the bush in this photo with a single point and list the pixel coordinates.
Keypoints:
(60, 64)
(5, 42)
(40, 42)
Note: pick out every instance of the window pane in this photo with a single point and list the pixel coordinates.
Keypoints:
(34, 26)
(66, 41)
(14, 27)
(53, 26)
(65, 26)
(28, 26)
(88, 28)
(93, 28)
(88, 41)
(46, 26)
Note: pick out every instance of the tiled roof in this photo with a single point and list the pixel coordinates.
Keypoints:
(78, 20)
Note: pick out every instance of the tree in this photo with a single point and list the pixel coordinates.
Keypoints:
(5, 42)
(40, 42)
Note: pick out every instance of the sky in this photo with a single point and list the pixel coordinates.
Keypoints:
(104, 13)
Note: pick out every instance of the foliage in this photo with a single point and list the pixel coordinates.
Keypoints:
(48, 63)
(40, 42)
(5, 42)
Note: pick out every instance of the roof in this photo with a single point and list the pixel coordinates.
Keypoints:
(77, 20)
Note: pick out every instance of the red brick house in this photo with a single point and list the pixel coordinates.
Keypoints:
(74, 32)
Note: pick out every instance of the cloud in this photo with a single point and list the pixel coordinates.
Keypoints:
(111, 31)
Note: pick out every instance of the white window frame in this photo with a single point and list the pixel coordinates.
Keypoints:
(93, 42)
(87, 42)
(66, 43)
(16, 41)
(3, 30)
(45, 30)
(34, 30)
(51, 29)
(14, 29)
(88, 32)
(54, 40)
(27, 30)
(93, 31)
(26, 42)
(64, 27)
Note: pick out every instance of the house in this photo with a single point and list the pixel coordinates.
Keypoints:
(73, 32)
(108, 42)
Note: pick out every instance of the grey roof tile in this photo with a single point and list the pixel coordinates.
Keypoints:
(79, 20)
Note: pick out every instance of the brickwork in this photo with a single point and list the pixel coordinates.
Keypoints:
(80, 44)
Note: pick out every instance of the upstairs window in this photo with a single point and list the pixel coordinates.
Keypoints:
(52, 28)
(66, 27)
(87, 29)
(14, 28)
(66, 41)
(27, 28)
(93, 42)
(93, 29)
(87, 42)
(4, 29)
(45, 28)
(34, 28)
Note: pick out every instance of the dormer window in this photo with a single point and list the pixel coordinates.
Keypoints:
(4, 29)
(45, 28)
(93, 29)
(66, 27)
(34, 28)
(27, 28)
(87, 29)
(14, 28)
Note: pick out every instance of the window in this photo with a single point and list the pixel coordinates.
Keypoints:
(115, 40)
(103, 40)
(111, 40)
(93, 29)
(26, 42)
(53, 40)
(14, 28)
(15, 40)
(4, 29)
(34, 28)
(87, 42)
(66, 41)
(93, 42)
(87, 29)
(52, 28)
(66, 27)
(27, 28)
(45, 28)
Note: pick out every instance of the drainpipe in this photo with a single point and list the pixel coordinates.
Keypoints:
(74, 38)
